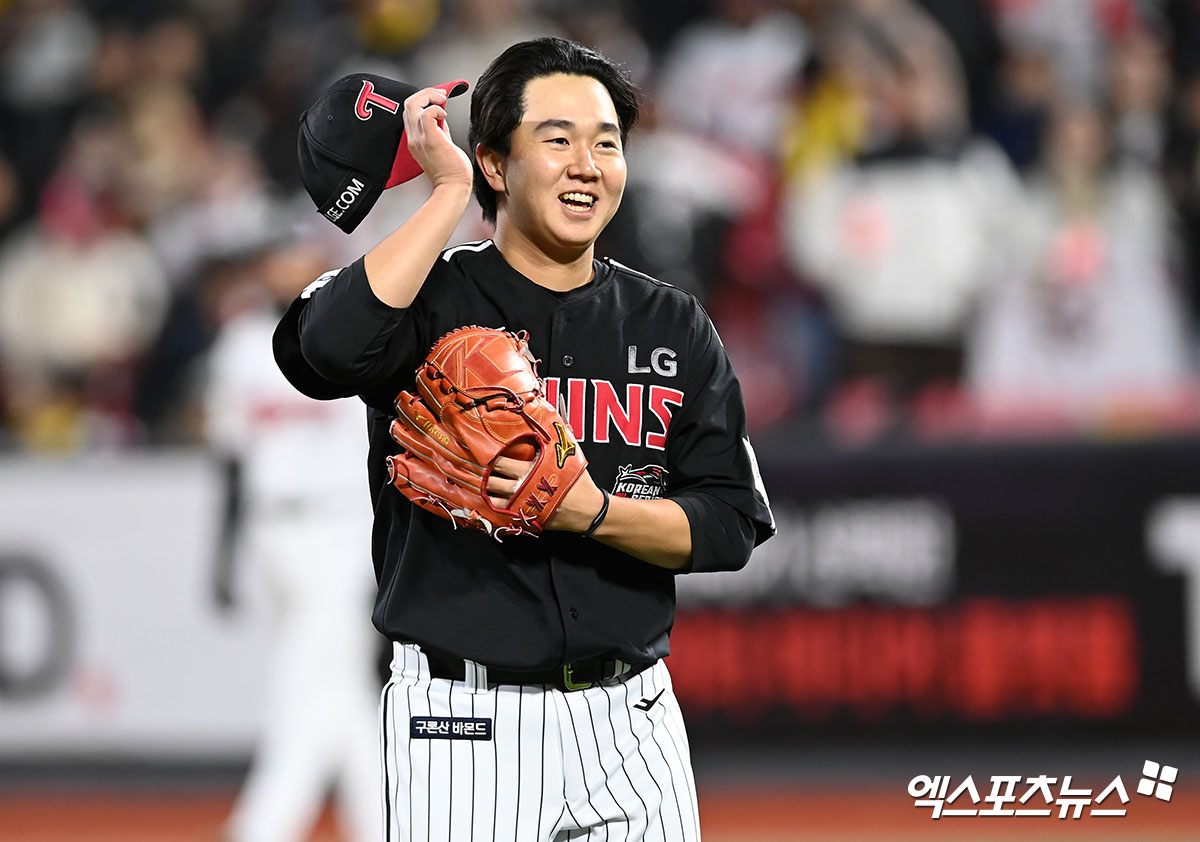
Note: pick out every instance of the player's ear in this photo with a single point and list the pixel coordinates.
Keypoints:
(491, 164)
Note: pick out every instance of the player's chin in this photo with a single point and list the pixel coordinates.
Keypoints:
(572, 238)
(579, 228)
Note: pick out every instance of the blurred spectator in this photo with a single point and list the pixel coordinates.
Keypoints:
(81, 296)
(462, 47)
(221, 210)
(1025, 94)
(1089, 325)
(705, 201)
(673, 222)
(660, 22)
(728, 78)
(970, 26)
(601, 24)
(265, 64)
(172, 51)
(1139, 91)
(851, 101)
(44, 67)
(900, 238)
(1183, 182)
(1074, 34)
(812, 169)
(169, 143)
(829, 116)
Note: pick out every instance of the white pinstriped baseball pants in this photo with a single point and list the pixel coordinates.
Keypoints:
(607, 763)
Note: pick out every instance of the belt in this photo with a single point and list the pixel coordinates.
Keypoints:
(577, 676)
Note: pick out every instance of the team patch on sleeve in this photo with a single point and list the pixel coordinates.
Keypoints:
(449, 728)
(648, 482)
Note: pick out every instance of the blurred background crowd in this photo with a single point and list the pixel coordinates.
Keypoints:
(924, 219)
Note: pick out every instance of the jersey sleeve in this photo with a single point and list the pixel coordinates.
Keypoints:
(338, 339)
(713, 469)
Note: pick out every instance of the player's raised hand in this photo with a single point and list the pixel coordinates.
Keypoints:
(429, 139)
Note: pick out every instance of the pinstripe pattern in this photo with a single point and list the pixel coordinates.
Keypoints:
(387, 740)
(587, 765)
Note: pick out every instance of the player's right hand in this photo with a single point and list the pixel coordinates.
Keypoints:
(429, 139)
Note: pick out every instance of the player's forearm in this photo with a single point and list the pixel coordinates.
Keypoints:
(396, 268)
(655, 531)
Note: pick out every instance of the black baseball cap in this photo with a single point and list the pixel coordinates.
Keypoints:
(352, 145)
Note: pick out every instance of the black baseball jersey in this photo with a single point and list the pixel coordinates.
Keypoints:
(641, 376)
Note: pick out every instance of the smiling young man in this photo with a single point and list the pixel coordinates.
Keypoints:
(528, 698)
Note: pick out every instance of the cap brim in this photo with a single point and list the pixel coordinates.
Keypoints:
(404, 167)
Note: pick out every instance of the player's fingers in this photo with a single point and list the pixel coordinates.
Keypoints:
(433, 114)
(509, 467)
(424, 98)
(501, 486)
(417, 105)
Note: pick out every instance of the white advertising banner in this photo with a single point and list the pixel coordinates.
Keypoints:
(111, 643)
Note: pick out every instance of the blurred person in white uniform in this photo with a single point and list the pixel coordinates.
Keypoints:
(304, 529)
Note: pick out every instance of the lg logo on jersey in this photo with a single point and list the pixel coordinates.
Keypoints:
(662, 362)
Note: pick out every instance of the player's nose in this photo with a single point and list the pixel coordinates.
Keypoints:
(583, 165)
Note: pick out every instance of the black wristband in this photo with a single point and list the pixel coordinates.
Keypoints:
(599, 517)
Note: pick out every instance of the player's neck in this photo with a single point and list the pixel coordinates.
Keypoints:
(557, 272)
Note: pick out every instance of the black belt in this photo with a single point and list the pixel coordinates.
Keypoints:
(576, 676)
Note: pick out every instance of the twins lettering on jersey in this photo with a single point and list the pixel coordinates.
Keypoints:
(640, 418)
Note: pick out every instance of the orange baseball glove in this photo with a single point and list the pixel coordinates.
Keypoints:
(479, 397)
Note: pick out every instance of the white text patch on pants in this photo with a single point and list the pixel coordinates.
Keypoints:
(609, 762)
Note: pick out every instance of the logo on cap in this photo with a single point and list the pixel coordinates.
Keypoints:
(368, 98)
(345, 199)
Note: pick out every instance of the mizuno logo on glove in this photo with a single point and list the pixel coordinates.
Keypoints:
(565, 446)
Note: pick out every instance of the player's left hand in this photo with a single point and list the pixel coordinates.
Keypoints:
(574, 514)
(507, 476)
(480, 444)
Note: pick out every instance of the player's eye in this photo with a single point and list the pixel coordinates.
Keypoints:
(562, 141)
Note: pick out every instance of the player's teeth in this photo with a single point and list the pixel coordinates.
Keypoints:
(578, 198)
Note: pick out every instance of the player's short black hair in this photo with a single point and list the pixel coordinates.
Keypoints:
(498, 102)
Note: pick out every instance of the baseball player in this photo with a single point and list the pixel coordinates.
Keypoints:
(528, 698)
(305, 531)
